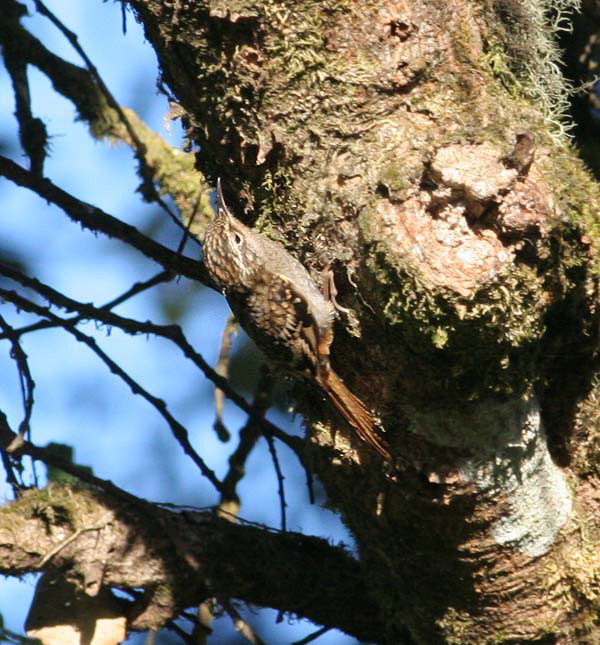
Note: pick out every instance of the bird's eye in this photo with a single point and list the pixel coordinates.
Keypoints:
(237, 238)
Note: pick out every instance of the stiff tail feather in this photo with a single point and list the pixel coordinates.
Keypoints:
(354, 411)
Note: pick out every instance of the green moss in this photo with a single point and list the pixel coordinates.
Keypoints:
(586, 444)
(485, 342)
(577, 198)
(499, 63)
(572, 577)
(521, 51)
(55, 504)
(398, 178)
(456, 626)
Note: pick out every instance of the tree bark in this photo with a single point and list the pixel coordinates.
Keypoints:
(417, 149)
(414, 147)
(106, 542)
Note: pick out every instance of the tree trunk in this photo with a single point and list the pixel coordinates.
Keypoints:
(417, 149)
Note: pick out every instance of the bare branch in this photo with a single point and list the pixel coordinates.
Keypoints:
(280, 478)
(178, 430)
(222, 368)
(139, 287)
(171, 169)
(25, 378)
(95, 219)
(241, 626)
(147, 188)
(170, 332)
(10, 467)
(27, 386)
(7, 438)
(248, 437)
(311, 637)
(32, 131)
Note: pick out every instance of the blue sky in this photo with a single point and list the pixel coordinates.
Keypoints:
(78, 401)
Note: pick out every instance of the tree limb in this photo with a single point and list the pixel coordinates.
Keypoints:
(95, 219)
(197, 554)
(131, 326)
(172, 169)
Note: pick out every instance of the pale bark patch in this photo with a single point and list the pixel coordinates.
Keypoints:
(522, 471)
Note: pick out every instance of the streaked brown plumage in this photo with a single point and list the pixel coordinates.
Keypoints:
(281, 308)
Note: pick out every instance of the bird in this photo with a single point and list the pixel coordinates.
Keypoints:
(279, 305)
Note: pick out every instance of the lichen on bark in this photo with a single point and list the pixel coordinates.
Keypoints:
(382, 139)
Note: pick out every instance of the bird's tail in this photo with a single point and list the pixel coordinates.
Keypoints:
(354, 411)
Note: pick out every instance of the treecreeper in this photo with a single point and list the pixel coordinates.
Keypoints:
(281, 308)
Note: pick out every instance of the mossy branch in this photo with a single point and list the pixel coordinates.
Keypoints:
(194, 553)
(160, 165)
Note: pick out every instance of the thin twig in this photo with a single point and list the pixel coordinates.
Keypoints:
(25, 379)
(11, 478)
(151, 638)
(146, 171)
(179, 431)
(309, 483)
(312, 637)
(186, 233)
(96, 219)
(202, 627)
(248, 437)
(241, 626)
(280, 479)
(174, 170)
(7, 437)
(222, 368)
(185, 637)
(27, 386)
(250, 433)
(170, 332)
(138, 287)
(33, 135)
(59, 547)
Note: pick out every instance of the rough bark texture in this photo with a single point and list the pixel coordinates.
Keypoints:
(411, 146)
(391, 141)
(179, 559)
